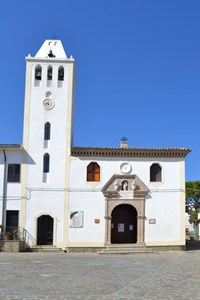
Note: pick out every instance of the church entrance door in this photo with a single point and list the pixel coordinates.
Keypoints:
(45, 230)
(124, 224)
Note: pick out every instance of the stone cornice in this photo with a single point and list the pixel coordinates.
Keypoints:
(49, 60)
(130, 152)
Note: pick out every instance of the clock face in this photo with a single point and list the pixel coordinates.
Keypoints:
(125, 168)
(48, 103)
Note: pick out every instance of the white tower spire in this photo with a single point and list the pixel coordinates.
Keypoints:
(52, 49)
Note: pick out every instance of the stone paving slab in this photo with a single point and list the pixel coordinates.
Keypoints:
(169, 275)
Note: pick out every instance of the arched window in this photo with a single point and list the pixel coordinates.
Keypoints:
(155, 173)
(47, 131)
(60, 73)
(49, 73)
(38, 72)
(46, 163)
(93, 172)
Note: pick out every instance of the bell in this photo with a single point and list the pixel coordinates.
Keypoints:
(60, 76)
(51, 54)
(38, 75)
(49, 75)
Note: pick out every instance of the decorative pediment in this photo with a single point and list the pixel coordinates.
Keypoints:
(125, 186)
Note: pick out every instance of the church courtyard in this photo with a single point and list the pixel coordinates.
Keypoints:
(168, 275)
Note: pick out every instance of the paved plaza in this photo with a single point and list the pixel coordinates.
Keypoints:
(168, 275)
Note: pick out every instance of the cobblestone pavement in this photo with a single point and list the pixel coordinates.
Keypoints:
(168, 275)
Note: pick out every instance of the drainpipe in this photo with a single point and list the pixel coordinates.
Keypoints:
(4, 190)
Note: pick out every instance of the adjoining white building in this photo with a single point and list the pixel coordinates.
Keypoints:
(70, 196)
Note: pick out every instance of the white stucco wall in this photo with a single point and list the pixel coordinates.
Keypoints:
(1, 185)
(93, 207)
(13, 190)
(164, 207)
(45, 203)
(140, 167)
(163, 202)
(38, 116)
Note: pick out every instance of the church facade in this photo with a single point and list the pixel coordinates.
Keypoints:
(68, 196)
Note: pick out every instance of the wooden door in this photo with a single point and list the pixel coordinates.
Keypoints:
(45, 230)
(124, 224)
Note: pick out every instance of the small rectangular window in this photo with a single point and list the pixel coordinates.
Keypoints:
(13, 173)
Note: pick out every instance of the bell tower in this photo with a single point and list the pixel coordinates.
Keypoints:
(48, 130)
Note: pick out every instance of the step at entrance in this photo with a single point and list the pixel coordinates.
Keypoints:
(127, 249)
(45, 248)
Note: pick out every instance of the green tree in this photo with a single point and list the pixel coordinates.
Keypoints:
(193, 202)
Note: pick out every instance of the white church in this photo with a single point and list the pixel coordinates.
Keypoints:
(73, 197)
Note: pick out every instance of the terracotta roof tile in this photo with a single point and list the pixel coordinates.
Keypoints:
(130, 152)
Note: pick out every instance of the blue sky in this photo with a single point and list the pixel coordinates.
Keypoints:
(137, 69)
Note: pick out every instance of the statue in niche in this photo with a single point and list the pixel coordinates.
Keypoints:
(124, 185)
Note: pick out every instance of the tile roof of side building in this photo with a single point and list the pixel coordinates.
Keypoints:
(130, 152)
(116, 152)
(10, 146)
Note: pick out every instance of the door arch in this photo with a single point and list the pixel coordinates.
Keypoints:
(45, 225)
(124, 224)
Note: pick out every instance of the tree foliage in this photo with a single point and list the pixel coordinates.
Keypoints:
(193, 200)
